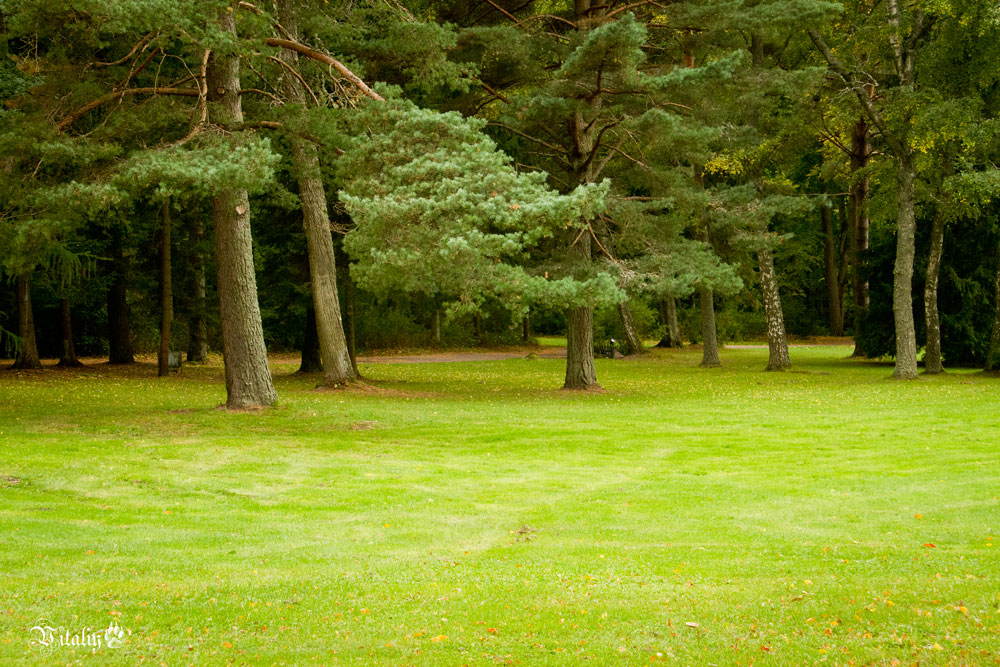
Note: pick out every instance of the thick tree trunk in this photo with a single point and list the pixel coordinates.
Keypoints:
(248, 377)
(197, 325)
(902, 291)
(633, 342)
(311, 361)
(932, 358)
(166, 294)
(777, 343)
(580, 371)
(337, 367)
(27, 352)
(831, 271)
(709, 334)
(993, 356)
(859, 222)
(119, 331)
(67, 354)
(668, 317)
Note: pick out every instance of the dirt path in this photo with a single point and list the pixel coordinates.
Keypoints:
(444, 357)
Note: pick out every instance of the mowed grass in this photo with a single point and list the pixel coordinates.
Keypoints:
(472, 513)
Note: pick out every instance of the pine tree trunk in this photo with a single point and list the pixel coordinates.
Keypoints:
(311, 361)
(344, 271)
(197, 325)
(67, 357)
(859, 223)
(932, 358)
(777, 343)
(119, 331)
(902, 291)
(831, 271)
(337, 367)
(672, 326)
(526, 328)
(993, 355)
(166, 294)
(27, 352)
(580, 370)
(436, 326)
(668, 318)
(633, 342)
(709, 335)
(248, 377)
(477, 323)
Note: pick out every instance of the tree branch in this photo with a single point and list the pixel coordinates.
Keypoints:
(848, 78)
(297, 76)
(104, 99)
(328, 60)
(552, 147)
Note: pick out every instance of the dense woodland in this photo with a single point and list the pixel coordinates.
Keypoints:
(334, 176)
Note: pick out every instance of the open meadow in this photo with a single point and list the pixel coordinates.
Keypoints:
(473, 513)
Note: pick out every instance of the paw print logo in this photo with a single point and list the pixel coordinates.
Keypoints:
(114, 636)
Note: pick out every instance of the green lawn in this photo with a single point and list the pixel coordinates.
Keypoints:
(472, 513)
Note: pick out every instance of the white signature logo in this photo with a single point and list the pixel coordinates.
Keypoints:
(49, 637)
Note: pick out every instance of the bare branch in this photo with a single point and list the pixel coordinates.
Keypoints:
(328, 60)
(297, 76)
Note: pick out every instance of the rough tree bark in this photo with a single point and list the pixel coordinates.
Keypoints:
(197, 325)
(166, 294)
(248, 377)
(633, 342)
(932, 357)
(831, 271)
(709, 335)
(311, 361)
(27, 352)
(67, 353)
(777, 343)
(580, 370)
(902, 290)
(337, 367)
(859, 222)
(119, 331)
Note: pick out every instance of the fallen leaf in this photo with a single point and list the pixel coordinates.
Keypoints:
(691, 624)
(929, 545)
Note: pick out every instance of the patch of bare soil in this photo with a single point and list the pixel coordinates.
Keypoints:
(365, 425)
